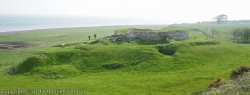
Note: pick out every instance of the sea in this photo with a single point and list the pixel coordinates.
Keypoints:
(30, 22)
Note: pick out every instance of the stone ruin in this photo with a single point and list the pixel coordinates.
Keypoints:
(147, 34)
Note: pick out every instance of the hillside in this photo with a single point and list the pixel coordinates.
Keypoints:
(138, 67)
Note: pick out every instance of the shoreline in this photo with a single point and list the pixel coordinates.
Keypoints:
(45, 29)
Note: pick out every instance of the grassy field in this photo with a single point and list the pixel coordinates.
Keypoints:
(40, 39)
(119, 69)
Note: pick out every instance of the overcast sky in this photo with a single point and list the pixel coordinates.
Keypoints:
(181, 10)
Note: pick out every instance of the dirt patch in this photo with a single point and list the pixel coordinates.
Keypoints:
(11, 45)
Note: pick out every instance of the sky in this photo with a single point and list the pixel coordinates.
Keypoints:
(179, 10)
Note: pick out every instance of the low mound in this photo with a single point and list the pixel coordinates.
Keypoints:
(29, 64)
(48, 63)
(90, 58)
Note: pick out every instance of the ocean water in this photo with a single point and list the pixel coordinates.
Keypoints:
(22, 22)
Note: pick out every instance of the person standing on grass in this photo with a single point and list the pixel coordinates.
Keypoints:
(95, 36)
(89, 37)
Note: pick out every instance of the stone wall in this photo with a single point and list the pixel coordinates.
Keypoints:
(147, 34)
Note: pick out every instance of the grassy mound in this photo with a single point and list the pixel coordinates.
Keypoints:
(29, 64)
(90, 58)
(46, 63)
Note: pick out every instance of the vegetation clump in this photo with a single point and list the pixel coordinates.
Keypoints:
(215, 83)
(237, 72)
(241, 35)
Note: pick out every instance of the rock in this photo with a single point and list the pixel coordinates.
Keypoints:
(147, 34)
(62, 45)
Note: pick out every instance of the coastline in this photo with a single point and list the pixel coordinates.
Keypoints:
(25, 23)
(46, 29)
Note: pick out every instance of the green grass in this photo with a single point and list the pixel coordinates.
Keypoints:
(46, 38)
(144, 69)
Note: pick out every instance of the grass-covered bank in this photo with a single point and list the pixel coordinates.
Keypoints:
(189, 70)
(40, 39)
(181, 67)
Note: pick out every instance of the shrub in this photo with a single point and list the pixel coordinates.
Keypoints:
(215, 83)
(235, 73)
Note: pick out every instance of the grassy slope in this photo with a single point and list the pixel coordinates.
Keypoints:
(189, 70)
(237, 86)
(46, 38)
